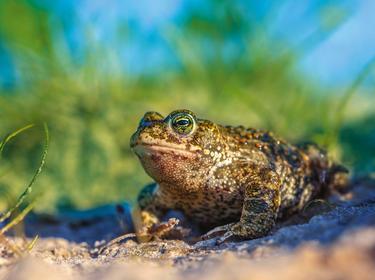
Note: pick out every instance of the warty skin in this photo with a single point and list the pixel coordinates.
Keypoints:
(239, 180)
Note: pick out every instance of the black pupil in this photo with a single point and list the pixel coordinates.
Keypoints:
(183, 122)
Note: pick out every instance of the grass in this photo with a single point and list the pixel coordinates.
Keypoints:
(15, 214)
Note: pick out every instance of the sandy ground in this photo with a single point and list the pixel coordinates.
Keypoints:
(324, 242)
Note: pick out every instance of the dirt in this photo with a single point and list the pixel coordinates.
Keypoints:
(329, 240)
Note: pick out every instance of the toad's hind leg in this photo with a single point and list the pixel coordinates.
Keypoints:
(259, 211)
(260, 207)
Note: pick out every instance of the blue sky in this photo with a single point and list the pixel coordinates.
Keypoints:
(333, 60)
(342, 56)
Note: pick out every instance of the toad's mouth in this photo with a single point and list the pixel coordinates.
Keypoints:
(152, 149)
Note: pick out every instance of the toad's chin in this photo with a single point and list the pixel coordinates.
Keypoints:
(167, 164)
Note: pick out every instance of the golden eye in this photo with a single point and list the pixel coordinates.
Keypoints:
(183, 123)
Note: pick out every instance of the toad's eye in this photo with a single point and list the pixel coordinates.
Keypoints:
(183, 123)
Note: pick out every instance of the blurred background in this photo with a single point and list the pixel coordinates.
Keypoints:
(91, 68)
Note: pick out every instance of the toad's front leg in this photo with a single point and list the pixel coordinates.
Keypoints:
(146, 216)
(259, 211)
(148, 226)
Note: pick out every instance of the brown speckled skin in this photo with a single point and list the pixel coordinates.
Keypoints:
(220, 175)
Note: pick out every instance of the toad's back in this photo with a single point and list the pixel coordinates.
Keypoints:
(304, 170)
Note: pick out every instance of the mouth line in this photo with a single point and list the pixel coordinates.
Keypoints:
(161, 148)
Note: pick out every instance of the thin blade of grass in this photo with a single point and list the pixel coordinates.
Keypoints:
(8, 137)
(31, 245)
(18, 218)
(28, 189)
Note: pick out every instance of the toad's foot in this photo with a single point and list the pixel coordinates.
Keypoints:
(117, 240)
(222, 233)
(235, 231)
(157, 231)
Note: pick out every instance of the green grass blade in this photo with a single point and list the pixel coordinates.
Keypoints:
(31, 245)
(12, 135)
(28, 189)
(18, 218)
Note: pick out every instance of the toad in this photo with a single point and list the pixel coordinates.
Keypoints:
(231, 180)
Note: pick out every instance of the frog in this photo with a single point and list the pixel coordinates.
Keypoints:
(234, 182)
